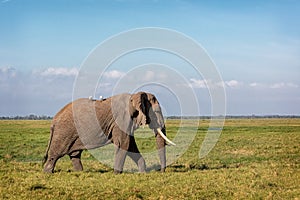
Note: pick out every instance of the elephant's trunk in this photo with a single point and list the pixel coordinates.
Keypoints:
(161, 146)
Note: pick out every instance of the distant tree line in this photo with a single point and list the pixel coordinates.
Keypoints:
(234, 116)
(27, 117)
(45, 117)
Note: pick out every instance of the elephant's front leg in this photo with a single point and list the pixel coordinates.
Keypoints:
(120, 155)
(135, 155)
(121, 141)
(126, 145)
(161, 147)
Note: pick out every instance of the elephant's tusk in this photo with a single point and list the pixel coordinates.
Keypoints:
(165, 137)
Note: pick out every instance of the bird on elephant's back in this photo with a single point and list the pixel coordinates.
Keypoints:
(87, 124)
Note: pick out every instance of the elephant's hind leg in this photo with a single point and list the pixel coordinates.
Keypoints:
(75, 157)
(50, 164)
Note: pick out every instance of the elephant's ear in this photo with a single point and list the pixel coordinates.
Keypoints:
(139, 101)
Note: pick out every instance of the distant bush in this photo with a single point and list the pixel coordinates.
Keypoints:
(45, 117)
(234, 116)
(27, 117)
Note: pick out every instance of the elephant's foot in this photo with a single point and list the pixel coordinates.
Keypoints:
(77, 165)
(49, 168)
(163, 169)
(141, 165)
(117, 171)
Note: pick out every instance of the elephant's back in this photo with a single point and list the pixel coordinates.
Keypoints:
(67, 108)
(79, 112)
(66, 114)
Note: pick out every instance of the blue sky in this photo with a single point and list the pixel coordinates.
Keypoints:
(255, 45)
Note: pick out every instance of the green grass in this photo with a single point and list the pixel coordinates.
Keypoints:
(253, 159)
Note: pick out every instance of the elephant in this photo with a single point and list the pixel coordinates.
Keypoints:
(88, 124)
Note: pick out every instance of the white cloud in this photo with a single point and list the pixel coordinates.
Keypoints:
(283, 85)
(202, 83)
(292, 85)
(104, 85)
(149, 75)
(8, 72)
(61, 71)
(277, 85)
(114, 74)
(254, 84)
(233, 83)
(5, 1)
(198, 83)
(25, 92)
(280, 85)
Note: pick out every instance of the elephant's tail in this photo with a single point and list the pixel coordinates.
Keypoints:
(49, 143)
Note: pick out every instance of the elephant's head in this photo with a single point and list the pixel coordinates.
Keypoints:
(146, 110)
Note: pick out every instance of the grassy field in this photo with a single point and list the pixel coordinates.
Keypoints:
(253, 159)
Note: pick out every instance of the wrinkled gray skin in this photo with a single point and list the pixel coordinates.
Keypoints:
(88, 124)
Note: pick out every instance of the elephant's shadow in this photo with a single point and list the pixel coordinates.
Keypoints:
(180, 168)
(200, 167)
(151, 168)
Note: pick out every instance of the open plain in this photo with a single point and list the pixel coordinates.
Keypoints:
(253, 159)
